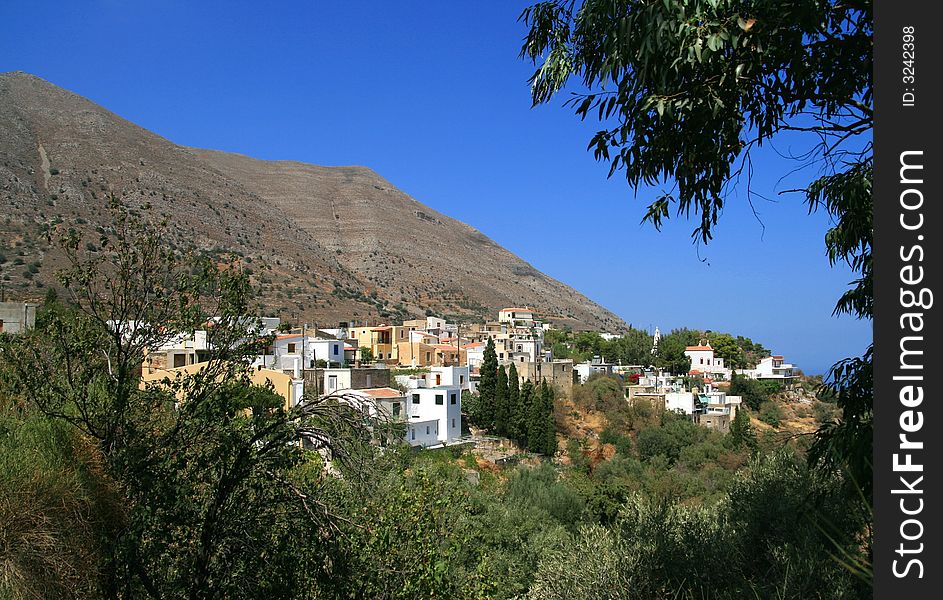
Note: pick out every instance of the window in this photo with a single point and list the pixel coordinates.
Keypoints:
(522, 359)
(380, 355)
(415, 398)
(427, 430)
(412, 434)
(396, 409)
(453, 423)
(336, 349)
(291, 348)
(438, 378)
(439, 399)
(369, 380)
(428, 356)
(331, 383)
(451, 398)
(180, 360)
(461, 379)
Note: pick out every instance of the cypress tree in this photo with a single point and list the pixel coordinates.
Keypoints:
(536, 423)
(549, 419)
(501, 408)
(516, 419)
(741, 431)
(527, 400)
(486, 386)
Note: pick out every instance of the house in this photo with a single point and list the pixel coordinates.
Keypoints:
(289, 386)
(179, 351)
(415, 354)
(711, 408)
(773, 368)
(307, 350)
(517, 317)
(433, 416)
(474, 354)
(703, 362)
(596, 365)
(438, 376)
(17, 317)
(326, 381)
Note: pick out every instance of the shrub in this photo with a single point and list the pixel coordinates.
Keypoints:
(623, 443)
(771, 413)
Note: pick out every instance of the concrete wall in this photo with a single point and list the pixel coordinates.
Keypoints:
(17, 317)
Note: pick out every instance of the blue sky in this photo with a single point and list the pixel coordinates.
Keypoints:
(433, 97)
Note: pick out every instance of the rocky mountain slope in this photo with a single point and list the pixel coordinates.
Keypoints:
(324, 243)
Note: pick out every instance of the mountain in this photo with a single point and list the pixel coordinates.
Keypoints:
(325, 244)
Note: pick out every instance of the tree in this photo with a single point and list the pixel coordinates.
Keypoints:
(753, 392)
(487, 386)
(670, 355)
(687, 90)
(528, 394)
(366, 355)
(727, 348)
(208, 466)
(548, 396)
(536, 423)
(502, 412)
(741, 433)
(517, 419)
(588, 343)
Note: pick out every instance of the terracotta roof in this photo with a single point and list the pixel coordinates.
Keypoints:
(384, 393)
(694, 372)
(520, 309)
(381, 328)
(698, 348)
(777, 357)
(474, 345)
(286, 336)
(444, 347)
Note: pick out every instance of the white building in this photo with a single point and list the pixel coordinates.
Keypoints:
(517, 317)
(681, 401)
(474, 354)
(586, 370)
(774, 368)
(703, 362)
(290, 348)
(437, 377)
(182, 350)
(435, 411)
(708, 402)
(433, 416)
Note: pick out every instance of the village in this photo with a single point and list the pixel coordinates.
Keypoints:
(417, 371)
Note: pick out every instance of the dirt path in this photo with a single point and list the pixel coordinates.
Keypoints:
(45, 166)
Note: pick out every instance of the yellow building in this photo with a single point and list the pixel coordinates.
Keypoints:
(290, 389)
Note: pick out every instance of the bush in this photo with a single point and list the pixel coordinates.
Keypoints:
(824, 412)
(623, 443)
(55, 507)
(771, 413)
(753, 392)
